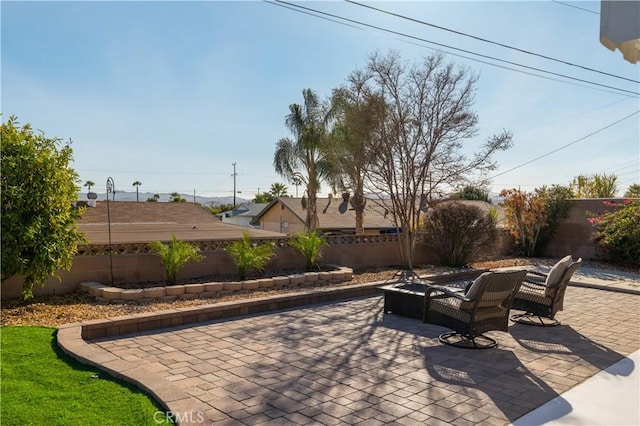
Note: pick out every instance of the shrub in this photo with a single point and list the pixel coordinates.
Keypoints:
(532, 217)
(175, 255)
(457, 233)
(247, 255)
(310, 245)
(618, 232)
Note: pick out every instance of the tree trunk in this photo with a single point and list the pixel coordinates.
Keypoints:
(406, 244)
(359, 203)
(312, 216)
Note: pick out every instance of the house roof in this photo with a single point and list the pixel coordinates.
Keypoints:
(248, 209)
(334, 213)
(133, 222)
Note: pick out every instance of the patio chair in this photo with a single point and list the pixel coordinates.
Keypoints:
(541, 296)
(484, 306)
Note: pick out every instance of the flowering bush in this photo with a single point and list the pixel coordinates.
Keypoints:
(617, 232)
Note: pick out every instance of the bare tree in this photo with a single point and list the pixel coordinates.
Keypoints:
(419, 149)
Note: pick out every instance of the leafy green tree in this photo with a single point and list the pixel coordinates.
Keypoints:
(221, 208)
(633, 191)
(263, 198)
(305, 156)
(175, 197)
(310, 245)
(89, 184)
(247, 255)
(358, 117)
(175, 255)
(558, 201)
(595, 186)
(39, 234)
(471, 192)
(137, 184)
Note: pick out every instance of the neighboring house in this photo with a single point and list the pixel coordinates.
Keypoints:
(243, 214)
(132, 222)
(335, 216)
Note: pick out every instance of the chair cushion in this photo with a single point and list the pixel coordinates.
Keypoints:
(558, 270)
(533, 295)
(452, 307)
(476, 286)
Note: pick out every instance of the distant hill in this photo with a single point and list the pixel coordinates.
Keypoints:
(131, 196)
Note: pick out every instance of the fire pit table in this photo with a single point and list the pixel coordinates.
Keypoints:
(407, 298)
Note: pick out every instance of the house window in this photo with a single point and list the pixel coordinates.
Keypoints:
(285, 228)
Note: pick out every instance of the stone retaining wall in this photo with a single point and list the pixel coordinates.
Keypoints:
(112, 294)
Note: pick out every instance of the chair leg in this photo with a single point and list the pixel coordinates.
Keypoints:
(531, 319)
(461, 341)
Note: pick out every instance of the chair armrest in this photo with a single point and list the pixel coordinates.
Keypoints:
(446, 292)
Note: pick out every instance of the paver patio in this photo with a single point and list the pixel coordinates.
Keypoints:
(348, 363)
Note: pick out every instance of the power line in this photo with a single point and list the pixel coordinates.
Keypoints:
(408, 18)
(450, 47)
(565, 146)
(520, 71)
(576, 7)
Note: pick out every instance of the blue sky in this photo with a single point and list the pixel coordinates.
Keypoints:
(172, 93)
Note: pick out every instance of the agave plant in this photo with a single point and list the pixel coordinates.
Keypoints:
(310, 245)
(175, 255)
(247, 255)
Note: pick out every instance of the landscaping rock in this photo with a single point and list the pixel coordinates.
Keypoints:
(174, 290)
(131, 294)
(213, 287)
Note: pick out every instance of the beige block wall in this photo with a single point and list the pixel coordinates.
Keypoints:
(574, 235)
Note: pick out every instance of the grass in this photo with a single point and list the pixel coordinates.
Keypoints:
(42, 385)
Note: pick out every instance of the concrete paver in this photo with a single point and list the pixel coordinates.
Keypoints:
(348, 363)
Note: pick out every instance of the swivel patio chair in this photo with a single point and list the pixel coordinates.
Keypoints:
(483, 307)
(541, 296)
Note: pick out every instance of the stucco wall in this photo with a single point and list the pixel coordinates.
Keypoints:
(274, 220)
(574, 235)
(349, 250)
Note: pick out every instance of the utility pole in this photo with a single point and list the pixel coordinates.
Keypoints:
(234, 183)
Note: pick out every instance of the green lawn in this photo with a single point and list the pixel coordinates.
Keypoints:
(40, 385)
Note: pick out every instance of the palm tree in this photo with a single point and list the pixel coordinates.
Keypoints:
(278, 190)
(633, 191)
(89, 184)
(305, 157)
(137, 184)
